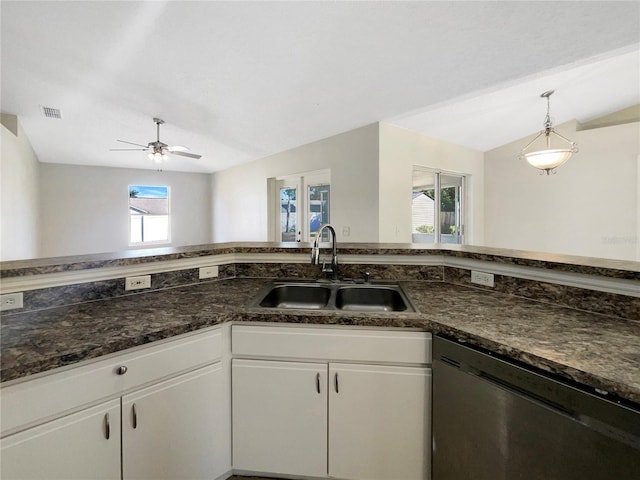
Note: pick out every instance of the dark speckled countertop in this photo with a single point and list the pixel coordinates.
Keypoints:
(592, 349)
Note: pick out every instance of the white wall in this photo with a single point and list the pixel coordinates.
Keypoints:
(240, 193)
(637, 237)
(85, 209)
(589, 207)
(400, 150)
(18, 195)
(371, 183)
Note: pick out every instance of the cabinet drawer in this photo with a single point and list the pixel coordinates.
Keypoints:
(33, 401)
(336, 344)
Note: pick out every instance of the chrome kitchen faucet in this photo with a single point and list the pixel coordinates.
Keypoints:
(315, 252)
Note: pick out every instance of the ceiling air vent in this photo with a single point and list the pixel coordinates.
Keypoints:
(49, 112)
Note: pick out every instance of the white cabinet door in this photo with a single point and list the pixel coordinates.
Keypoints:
(280, 417)
(379, 422)
(71, 447)
(170, 430)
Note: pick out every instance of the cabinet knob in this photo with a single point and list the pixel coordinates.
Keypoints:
(122, 370)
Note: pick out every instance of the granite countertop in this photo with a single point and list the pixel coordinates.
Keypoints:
(592, 349)
(623, 269)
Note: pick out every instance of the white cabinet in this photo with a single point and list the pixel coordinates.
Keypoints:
(280, 417)
(379, 422)
(85, 445)
(168, 417)
(360, 421)
(171, 430)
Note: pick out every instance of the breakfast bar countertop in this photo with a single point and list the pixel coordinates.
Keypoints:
(592, 349)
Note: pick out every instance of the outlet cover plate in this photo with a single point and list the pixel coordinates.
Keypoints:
(482, 278)
(208, 272)
(10, 301)
(136, 283)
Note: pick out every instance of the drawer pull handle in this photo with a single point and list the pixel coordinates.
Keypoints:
(122, 370)
(107, 426)
(134, 412)
(318, 382)
(335, 382)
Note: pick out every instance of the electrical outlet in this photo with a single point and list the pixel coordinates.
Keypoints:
(482, 278)
(136, 283)
(209, 272)
(9, 301)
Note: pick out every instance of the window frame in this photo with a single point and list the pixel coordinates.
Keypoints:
(461, 215)
(289, 184)
(130, 215)
(302, 182)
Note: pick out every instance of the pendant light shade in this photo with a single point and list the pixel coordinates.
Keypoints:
(545, 158)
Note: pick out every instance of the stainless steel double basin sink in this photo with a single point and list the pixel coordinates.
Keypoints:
(323, 295)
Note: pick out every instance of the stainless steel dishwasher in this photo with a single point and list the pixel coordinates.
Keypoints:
(494, 419)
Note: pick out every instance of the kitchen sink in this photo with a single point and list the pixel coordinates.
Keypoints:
(371, 298)
(322, 295)
(296, 296)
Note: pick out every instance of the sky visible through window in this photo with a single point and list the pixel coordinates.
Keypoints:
(143, 191)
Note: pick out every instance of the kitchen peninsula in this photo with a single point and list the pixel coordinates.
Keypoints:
(576, 320)
(508, 317)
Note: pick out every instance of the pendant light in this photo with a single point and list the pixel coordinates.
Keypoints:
(547, 159)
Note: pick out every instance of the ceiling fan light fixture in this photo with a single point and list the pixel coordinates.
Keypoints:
(158, 157)
(158, 150)
(547, 159)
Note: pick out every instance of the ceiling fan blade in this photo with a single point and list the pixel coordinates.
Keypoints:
(177, 148)
(186, 154)
(128, 149)
(157, 147)
(131, 143)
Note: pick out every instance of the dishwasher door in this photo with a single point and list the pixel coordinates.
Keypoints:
(494, 420)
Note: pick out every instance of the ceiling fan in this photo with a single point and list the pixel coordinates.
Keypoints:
(158, 150)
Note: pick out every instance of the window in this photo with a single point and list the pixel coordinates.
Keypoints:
(288, 214)
(319, 203)
(148, 214)
(298, 216)
(437, 195)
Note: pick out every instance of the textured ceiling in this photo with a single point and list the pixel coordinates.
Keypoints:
(236, 81)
